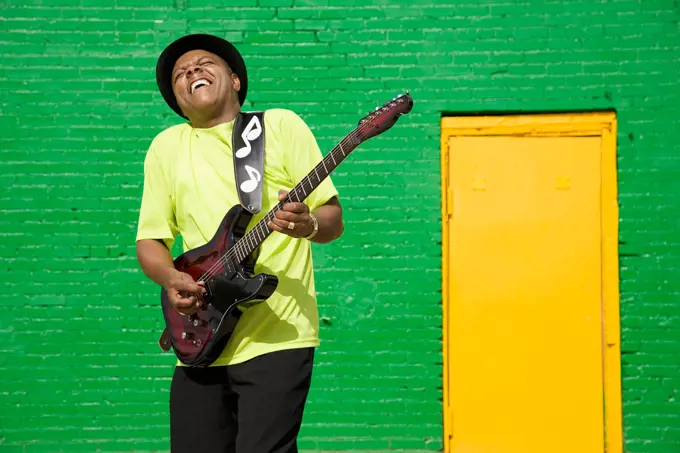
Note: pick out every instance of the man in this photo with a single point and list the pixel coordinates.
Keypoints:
(251, 399)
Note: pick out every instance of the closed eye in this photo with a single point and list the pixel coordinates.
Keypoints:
(202, 61)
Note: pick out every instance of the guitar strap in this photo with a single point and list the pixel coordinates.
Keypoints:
(248, 144)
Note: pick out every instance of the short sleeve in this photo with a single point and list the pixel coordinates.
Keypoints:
(301, 155)
(157, 213)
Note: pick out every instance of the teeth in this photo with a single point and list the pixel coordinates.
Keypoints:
(198, 83)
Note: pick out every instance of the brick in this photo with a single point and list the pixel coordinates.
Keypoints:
(275, 3)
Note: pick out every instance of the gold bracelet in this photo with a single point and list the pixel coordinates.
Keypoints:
(316, 227)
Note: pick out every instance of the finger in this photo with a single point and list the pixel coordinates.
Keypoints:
(202, 291)
(289, 216)
(189, 286)
(282, 229)
(295, 207)
(281, 223)
(183, 305)
(184, 297)
(282, 194)
(185, 302)
(274, 227)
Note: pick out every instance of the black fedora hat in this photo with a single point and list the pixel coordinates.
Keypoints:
(210, 43)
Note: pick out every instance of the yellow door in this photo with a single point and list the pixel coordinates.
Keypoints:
(524, 313)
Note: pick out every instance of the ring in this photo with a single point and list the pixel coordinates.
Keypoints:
(291, 225)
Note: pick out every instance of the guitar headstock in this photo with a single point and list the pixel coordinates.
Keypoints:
(383, 118)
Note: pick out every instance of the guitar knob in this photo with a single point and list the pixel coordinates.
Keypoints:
(187, 335)
(197, 322)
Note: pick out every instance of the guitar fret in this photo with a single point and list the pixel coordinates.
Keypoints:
(368, 127)
(247, 244)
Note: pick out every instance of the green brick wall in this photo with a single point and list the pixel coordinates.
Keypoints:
(79, 369)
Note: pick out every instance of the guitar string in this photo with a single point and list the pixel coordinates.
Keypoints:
(224, 260)
(241, 245)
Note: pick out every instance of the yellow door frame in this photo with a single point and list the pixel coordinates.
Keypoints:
(551, 125)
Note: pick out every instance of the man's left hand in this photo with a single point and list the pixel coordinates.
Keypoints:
(293, 219)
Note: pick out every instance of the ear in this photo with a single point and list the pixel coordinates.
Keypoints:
(235, 82)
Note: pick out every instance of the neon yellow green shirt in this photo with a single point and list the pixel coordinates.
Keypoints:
(189, 187)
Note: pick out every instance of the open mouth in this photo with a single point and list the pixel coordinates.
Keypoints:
(200, 83)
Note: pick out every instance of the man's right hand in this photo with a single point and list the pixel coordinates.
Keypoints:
(156, 262)
(184, 293)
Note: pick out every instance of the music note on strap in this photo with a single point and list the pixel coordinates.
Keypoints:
(250, 133)
(251, 184)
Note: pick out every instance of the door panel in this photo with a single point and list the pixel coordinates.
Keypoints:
(525, 359)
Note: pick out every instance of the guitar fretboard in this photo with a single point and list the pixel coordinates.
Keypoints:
(250, 241)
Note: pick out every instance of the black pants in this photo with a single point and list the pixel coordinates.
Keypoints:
(251, 407)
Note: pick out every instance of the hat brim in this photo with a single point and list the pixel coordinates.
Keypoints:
(209, 43)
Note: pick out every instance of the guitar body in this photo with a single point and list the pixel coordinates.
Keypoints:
(199, 339)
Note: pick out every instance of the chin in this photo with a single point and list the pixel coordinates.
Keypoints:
(203, 107)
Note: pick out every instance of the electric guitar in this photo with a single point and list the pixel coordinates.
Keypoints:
(226, 264)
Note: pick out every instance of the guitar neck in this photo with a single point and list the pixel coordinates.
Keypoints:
(250, 241)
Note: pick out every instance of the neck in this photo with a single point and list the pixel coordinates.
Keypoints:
(225, 116)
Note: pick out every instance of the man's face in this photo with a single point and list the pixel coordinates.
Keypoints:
(203, 83)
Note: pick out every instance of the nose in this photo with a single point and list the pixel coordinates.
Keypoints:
(192, 70)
